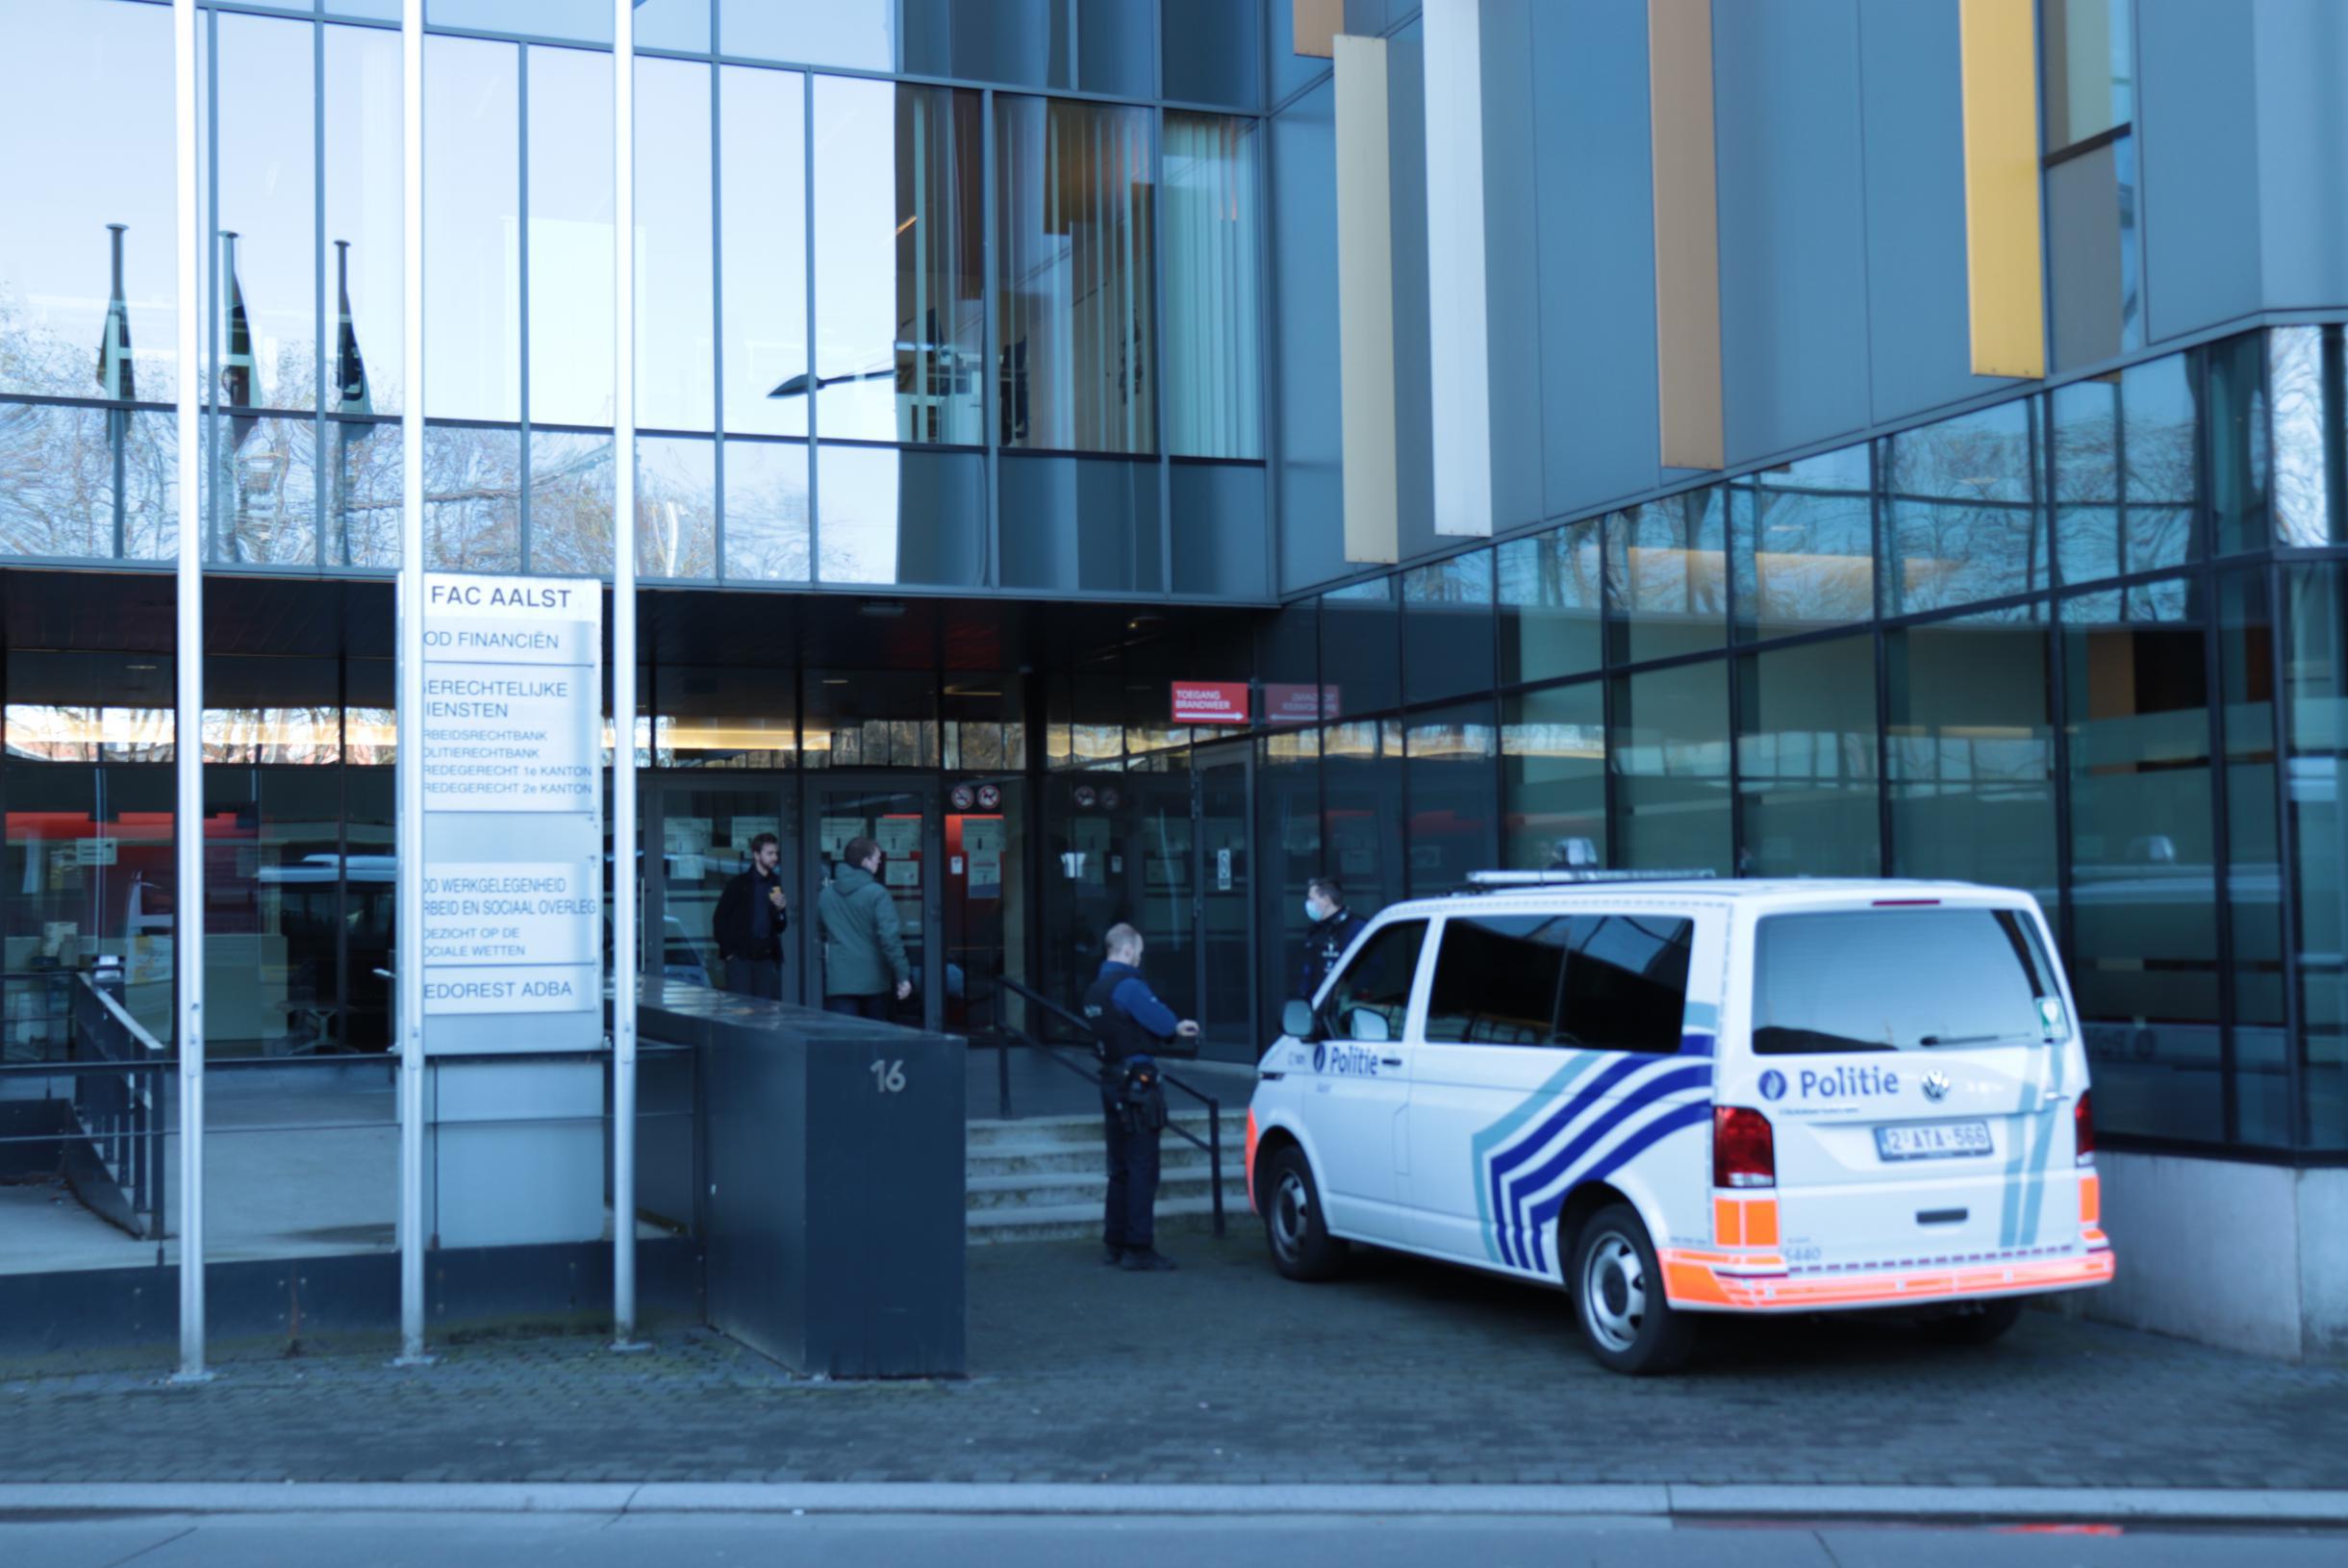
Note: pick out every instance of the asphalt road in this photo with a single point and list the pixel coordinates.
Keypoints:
(852, 1541)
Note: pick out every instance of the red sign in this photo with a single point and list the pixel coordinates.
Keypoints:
(1298, 705)
(1210, 702)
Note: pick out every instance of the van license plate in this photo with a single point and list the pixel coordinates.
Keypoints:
(1933, 1140)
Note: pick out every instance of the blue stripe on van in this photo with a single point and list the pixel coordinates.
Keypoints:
(1673, 1119)
(1481, 1146)
(1505, 1160)
(1516, 1177)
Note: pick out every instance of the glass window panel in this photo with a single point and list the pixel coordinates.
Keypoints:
(1447, 627)
(1377, 980)
(766, 511)
(1071, 524)
(871, 719)
(855, 32)
(572, 303)
(362, 500)
(472, 229)
(2143, 894)
(1214, 312)
(1073, 231)
(1218, 531)
(2236, 431)
(1020, 42)
(675, 376)
(1961, 517)
(1626, 982)
(901, 517)
(1669, 754)
(899, 259)
(2090, 68)
(1805, 545)
(79, 482)
(2253, 868)
(265, 217)
(58, 283)
(2093, 272)
(676, 508)
(1496, 978)
(1361, 648)
(762, 217)
(2125, 475)
(1361, 795)
(1971, 751)
(589, 22)
(719, 718)
(1288, 665)
(672, 24)
(1667, 577)
(1455, 786)
(1215, 51)
(1806, 761)
(1548, 588)
(571, 505)
(472, 498)
(2316, 686)
(1288, 855)
(2296, 360)
(1553, 777)
(1116, 53)
(264, 495)
(360, 108)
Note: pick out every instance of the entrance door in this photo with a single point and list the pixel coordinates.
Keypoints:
(900, 812)
(1225, 942)
(702, 830)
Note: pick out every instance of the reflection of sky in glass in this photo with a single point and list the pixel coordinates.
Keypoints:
(267, 194)
(571, 299)
(66, 60)
(860, 509)
(676, 508)
(673, 328)
(856, 247)
(590, 21)
(858, 33)
(472, 242)
(361, 115)
(763, 166)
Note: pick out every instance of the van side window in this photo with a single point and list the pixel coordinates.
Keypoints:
(1495, 980)
(1626, 982)
(1377, 979)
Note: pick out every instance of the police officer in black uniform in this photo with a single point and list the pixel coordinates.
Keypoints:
(1334, 927)
(1131, 1026)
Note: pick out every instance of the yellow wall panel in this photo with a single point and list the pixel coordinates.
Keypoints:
(2002, 244)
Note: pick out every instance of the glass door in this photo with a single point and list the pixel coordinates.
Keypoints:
(703, 830)
(984, 891)
(1227, 947)
(901, 814)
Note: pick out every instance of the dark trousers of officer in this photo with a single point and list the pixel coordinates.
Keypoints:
(755, 977)
(1131, 1220)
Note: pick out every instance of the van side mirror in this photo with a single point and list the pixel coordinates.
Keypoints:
(1296, 1019)
(1367, 1025)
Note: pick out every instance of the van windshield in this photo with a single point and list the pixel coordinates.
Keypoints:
(1901, 980)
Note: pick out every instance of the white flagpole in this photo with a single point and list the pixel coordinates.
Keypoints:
(409, 962)
(188, 716)
(624, 675)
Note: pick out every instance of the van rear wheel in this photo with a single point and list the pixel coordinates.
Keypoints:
(1626, 1325)
(1978, 1324)
(1302, 1246)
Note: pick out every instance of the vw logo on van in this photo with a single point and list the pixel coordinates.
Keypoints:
(1772, 1084)
(1935, 1085)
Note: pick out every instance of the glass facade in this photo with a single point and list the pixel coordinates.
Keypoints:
(888, 271)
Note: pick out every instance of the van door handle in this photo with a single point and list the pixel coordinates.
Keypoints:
(1390, 1061)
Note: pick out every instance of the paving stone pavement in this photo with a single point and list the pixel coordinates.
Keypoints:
(1223, 1372)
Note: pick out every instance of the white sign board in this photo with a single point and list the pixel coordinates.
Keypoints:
(513, 829)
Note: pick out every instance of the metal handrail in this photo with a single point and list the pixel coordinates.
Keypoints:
(1212, 1143)
(120, 1106)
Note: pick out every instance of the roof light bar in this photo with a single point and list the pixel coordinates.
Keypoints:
(1582, 875)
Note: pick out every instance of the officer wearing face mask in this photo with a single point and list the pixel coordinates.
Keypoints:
(1331, 930)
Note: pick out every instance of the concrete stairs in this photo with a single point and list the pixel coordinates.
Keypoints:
(1041, 1178)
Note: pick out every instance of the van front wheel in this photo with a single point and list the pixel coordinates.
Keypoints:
(1302, 1246)
(1626, 1325)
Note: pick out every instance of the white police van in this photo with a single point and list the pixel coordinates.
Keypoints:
(1683, 1095)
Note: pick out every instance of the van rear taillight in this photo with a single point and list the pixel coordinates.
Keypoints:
(2083, 1130)
(1744, 1148)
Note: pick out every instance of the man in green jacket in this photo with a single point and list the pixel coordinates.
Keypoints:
(863, 949)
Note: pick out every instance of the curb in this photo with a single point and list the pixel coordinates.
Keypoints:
(1975, 1504)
